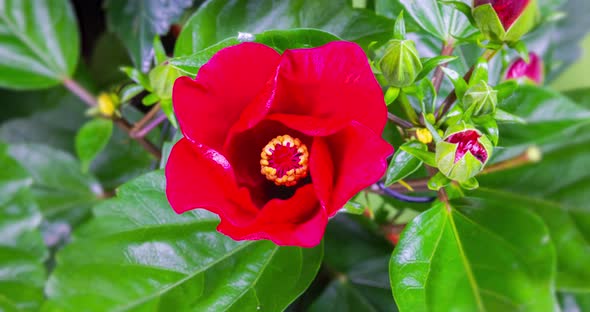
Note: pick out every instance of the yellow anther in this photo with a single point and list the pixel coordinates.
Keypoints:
(284, 160)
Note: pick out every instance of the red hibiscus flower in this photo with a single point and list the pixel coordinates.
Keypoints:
(276, 144)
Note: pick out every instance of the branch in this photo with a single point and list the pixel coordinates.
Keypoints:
(123, 124)
(452, 97)
(447, 49)
(398, 121)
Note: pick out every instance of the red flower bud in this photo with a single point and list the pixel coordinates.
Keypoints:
(276, 144)
(522, 71)
(507, 10)
(505, 20)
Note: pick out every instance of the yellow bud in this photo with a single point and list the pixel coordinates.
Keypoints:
(424, 135)
(106, 104)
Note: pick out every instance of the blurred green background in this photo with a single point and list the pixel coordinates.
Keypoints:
(577, 76)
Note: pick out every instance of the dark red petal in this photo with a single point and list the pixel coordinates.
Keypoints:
(359, 156)
(333, 81)
(297, 221)
(200, 177)
(468, 141)
(207, 107)
(508, 10)
(311, 125)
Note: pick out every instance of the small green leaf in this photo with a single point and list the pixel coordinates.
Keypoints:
(137, 76)
(430, 64)
(353, 207)
(458, 82)
(159, 52)
(435, 135)
(391, 95)
(423, 155)
(399, 29)
(129, 92)
(403, 163)
(438, 181)
(92, 139)
(150, 99)
(506, 89)
(490, 127)
(522, 50)
(480, 72)
(470, 184)
(426, 94)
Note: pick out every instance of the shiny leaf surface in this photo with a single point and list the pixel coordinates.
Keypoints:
(491, 263)
(218, 19)
(146, 257)
(22, 251)
(40, 45)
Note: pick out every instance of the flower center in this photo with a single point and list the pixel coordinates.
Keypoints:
(284, 160)
(467, 141)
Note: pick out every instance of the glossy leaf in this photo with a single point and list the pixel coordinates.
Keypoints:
(358, 262)
(403, 163)
(145, 256)
(22, 251)
(217, 20)
(432, 63)
(91, 139)
(440, 20)
(136, 22)
(489, 261)
(40, 45)
(556, 187)
(60, 188)
(277, 39)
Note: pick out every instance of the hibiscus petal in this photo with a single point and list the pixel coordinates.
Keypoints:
(359, 157)
(297, 221)
(208, 106)
(332, 82)
(200, 177)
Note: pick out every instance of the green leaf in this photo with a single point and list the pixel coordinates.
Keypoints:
(442, 21)
(144, 256)
(277, 39)
(403, 163)
(463, 8)
(137, 76)
(432, 63)
(22, 250)
(137, 22)
(503, 116)
(40, 45)
(458, 82)
(420, 153)
(492, 262)
(203, 29)
(59, 186)
(480, 73)
(106, 59)
(438, 181)
(357, 260)
(92, 139)
(399, 28)
(556, 187)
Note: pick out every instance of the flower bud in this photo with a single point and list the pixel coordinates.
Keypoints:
(481, 99)
(531, 72)
(400, 64)
(505, 20)
(107, 104)
(423, 135)
(462, 153)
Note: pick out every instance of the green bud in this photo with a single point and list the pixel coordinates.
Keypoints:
(400, 64)
(462, 153)
(481, 99)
